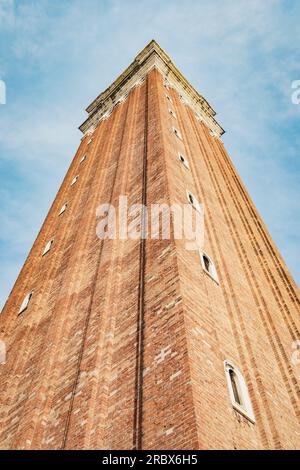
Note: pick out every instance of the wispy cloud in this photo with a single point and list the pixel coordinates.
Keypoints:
(57, 56)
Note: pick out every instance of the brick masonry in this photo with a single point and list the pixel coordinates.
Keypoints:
(123, 343)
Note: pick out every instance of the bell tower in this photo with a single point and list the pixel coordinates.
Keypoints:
(141, 343)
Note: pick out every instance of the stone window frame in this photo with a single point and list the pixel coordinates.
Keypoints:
(74, 180)
(63, 208)
(245, 407)
(194, 202)
(177, 133)
(183, 160)
(48, 246)
(169, 98)
(26, 302)
(172, 113)
(211, 271)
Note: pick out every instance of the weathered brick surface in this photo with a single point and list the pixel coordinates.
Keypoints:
(99, 316)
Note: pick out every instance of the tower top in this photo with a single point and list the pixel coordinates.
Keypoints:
(152, 56)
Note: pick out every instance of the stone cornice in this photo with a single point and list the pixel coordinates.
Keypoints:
(151, 56)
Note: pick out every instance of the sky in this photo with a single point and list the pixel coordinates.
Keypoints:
(56, 56)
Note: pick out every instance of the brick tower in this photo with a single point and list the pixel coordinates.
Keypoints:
(141, 343)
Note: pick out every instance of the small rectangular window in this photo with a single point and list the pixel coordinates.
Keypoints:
(90, 141)
(25, 302)
(62, 210)
(169, 98)
(83, 158)
(172, 113)
(47, 247)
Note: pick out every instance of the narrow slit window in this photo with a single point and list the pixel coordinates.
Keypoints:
(234, 386)
(184, 161)
(172, 113)
(209, 266)
(177, 133)
(90, 141)
(83, 158)
(74, 180)
(25, 302)
(169, 98)
(47, 247)
(238, 391)
(193, 200)
(63, 208)
(206, 263)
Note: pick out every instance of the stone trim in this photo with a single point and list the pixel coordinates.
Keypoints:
(152, 56)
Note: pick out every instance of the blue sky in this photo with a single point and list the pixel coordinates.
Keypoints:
(56, 56)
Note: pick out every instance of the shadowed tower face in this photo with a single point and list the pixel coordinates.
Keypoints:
(123, 342)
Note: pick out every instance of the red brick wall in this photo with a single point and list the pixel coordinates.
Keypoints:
(251, 317)
(123, 343)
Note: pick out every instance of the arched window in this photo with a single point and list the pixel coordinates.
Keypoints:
(25, 302)
(209, 266)
(63, 208)
(47, 247)
(177, 133)
(184, 161)
(74, 180)
(238, 391)
(193, 200)
(235, 387)
(206, 262)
